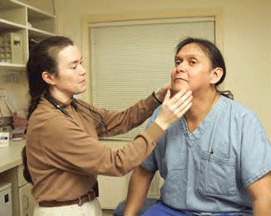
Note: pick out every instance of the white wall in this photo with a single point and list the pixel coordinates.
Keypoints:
(245, 34)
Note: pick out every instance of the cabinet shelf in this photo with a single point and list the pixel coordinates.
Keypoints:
(34, 13)
(10, 26)
(15, 13)
(42, 21)
(33, 32)
(27, 21)
(4, 4)
(10, 66)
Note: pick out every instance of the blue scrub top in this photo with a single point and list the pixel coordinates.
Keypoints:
(209, 170)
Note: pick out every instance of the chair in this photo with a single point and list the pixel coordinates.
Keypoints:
(148, 203)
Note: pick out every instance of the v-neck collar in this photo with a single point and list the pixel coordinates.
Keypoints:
(208, 120)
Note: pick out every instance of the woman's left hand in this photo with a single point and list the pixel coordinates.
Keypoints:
(161, 92)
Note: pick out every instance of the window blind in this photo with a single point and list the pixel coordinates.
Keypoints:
(131, 59)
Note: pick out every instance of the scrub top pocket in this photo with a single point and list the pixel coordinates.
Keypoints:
(217, 176)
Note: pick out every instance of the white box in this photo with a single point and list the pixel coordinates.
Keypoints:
(14, 47)
(5, 199)
(4, 139)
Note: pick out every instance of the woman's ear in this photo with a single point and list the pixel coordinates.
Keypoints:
(216, 75)
(48, 78)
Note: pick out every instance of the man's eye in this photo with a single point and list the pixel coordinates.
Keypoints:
(177, 63)
(193, 62)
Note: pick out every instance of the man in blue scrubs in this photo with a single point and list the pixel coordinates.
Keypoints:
(216, 159)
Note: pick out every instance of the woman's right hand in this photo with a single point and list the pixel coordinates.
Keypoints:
(174, 108)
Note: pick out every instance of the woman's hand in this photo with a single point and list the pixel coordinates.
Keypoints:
(161, 92)
(174, 108)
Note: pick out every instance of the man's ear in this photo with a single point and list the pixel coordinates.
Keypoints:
(48, 78)
(216, 75)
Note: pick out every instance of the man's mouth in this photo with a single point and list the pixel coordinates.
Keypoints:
(180, 79)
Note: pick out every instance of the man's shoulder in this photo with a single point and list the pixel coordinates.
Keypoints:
(238, 109)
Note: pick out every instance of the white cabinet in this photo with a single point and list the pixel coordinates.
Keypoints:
(5, 199)
(20, 198)
(11, 173)
(26, 200)
(30, 23)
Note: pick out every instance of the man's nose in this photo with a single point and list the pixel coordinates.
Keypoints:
(181, 67)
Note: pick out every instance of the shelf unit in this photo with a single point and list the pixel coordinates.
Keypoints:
(30, 22)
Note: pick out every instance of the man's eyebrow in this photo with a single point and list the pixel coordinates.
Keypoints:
(187, 56)
(177, 57)
(193, 56)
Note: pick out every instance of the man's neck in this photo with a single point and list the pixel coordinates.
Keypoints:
(201, 107)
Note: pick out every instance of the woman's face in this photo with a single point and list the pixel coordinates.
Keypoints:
(71, 77)
(192, 69)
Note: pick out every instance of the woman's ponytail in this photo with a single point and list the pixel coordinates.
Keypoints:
(26, 173)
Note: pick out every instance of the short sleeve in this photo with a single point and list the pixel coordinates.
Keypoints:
(150, 163)
(153, 117)
(255, 150)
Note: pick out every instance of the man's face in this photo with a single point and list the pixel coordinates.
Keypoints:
(192, 69)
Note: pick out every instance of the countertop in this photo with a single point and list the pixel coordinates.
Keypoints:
(11, 156)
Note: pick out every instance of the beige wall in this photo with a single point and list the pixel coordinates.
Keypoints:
(244, 36)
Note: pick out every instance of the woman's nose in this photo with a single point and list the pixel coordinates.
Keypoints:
(82, 70)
